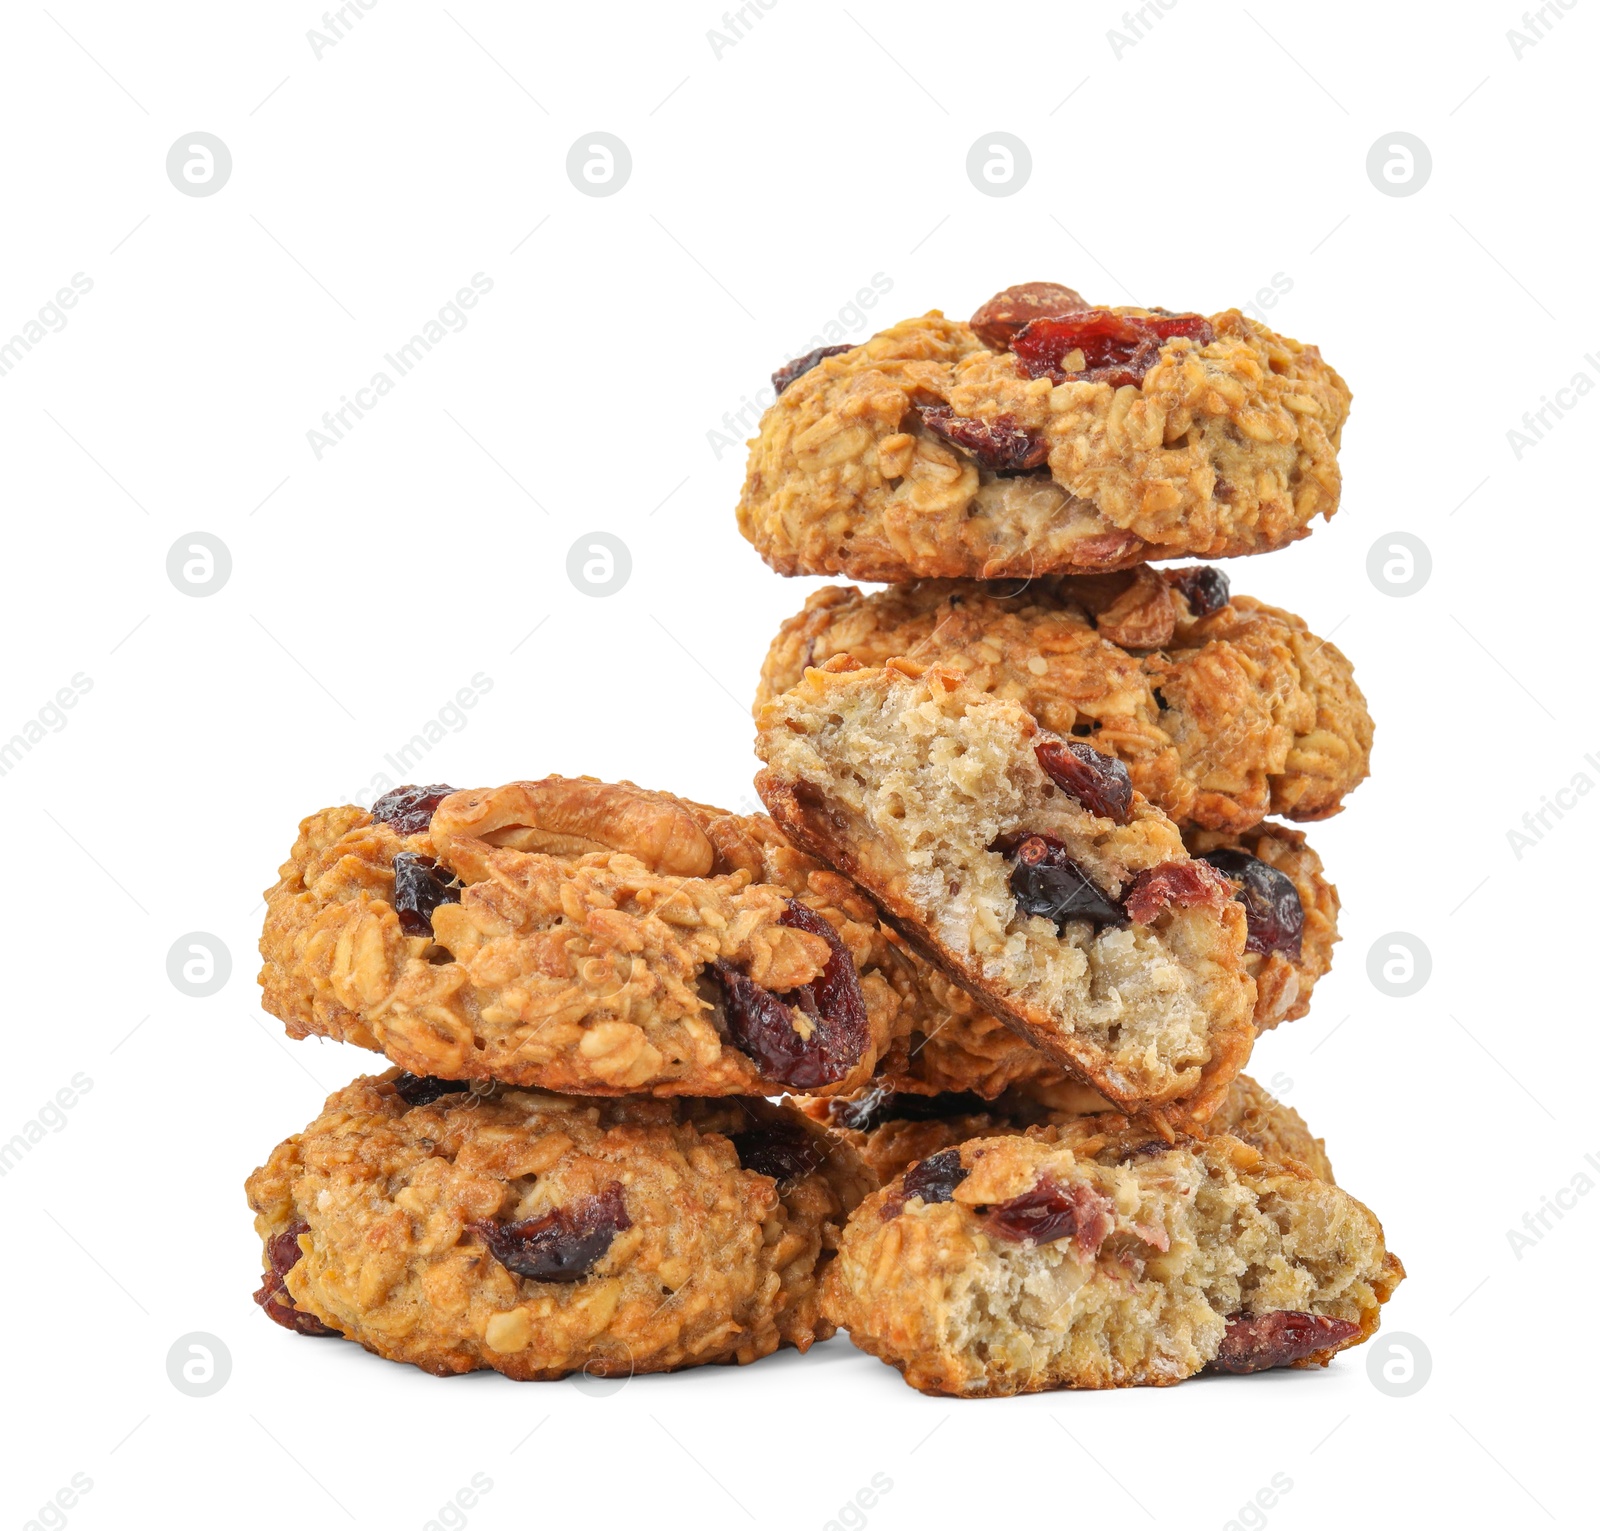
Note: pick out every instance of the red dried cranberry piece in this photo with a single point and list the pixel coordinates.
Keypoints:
(1188, 884)
(1274, 917)
(761, 1023)
(1205, 588)
(998, 321)
(783, 1150)
(563, 1245)
(1099, 781)
(419, 888)
(801, 365)
(283, 1252)
(1052, 1211)
(409, 810)
(1000, 445)
(880, 1104)
(1256, 1343)
(424, 1089)
(1117, 349)
(1047, 882)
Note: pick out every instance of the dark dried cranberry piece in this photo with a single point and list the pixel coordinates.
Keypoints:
(936, 1177)
(283, 1252)
(762, 1024)
(1099, 781)
(1046, 881)
(1188, 884)
(1000, 445)
(409, 810)
(1205, 588)
(283, 1249)
(801, 365)
(999, 320)
(880, 1104)
(1257, 1343)
(1052, 1211)
(1117, 349)
(424, 1089)
(1274, 917)
(419, 888)
(563, 1245)
(780, 1149)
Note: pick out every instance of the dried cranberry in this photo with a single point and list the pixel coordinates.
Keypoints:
(780, 1149)
(1099, 781)
(880, 1104)
(563, 1245)
(1274, 917)
(1047, 882)
(801, 365)
(1117, 349)
(1188, 884)
(1052, 1211)
(409, 810)
(1255, 1343)
(936, 1177)
(283, 1253)
(1203, 587)
(1000, 445)
(998, 321)
(419, 888)
(424, 1089)
(762, 1023)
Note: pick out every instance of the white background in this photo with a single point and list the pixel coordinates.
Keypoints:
(769, 184)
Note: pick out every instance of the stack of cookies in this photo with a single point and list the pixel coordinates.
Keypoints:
(948, 1051)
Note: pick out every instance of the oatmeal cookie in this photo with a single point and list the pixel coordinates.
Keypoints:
(1075, 440)
(580, 936)
(891, 1131)
(945, 1041)
(539, 1234)
(1027, 869)
(1224, 709)
(1100, 1255)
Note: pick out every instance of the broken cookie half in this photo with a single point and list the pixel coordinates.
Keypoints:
(1098, 1254)
(1027, 868)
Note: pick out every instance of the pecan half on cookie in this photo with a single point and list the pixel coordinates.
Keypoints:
(582, 936)
(1027, 869)
(1045, 436)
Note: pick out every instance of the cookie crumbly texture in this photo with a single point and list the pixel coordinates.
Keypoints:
(1284, 983)
(1171, 1245)
(1223, 449)
(893, 1144)
(907, 781)
(946, 1041)
(580, 955)
(1221, 719)
(716, 1263)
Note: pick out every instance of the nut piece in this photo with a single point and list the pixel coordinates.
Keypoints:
(1142, 616)
(1006, 312)
(572, 816)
